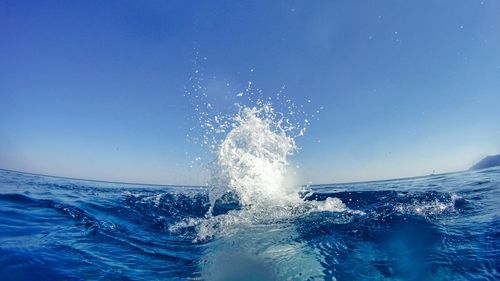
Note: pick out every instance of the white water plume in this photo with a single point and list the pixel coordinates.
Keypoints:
(252, 161)
(250, 165)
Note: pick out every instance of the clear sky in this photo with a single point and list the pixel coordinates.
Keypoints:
(94, 89)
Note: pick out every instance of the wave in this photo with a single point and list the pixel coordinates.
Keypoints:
(394, 230)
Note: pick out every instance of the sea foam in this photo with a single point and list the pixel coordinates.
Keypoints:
(250, 167)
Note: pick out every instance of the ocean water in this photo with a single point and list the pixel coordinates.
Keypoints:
(439, 227)
(252, 220)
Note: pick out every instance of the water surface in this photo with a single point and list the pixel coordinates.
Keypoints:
(442, 227)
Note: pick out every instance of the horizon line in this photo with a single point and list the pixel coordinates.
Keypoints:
(197, 186)
(96, 180)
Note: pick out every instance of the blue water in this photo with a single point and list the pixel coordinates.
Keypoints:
(440, 227)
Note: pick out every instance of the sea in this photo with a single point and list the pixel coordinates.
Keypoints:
(437, 227)
(253, 219)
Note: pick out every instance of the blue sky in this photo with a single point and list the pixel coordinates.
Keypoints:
(94, 89)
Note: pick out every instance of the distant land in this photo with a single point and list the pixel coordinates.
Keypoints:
(486, 162)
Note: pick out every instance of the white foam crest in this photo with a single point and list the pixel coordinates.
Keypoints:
(252, 160)
(257, 215)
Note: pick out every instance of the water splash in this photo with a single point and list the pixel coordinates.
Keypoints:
(251, 176)
(251, 161)
(251, 171)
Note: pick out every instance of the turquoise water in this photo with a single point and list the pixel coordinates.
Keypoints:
(440, 227)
